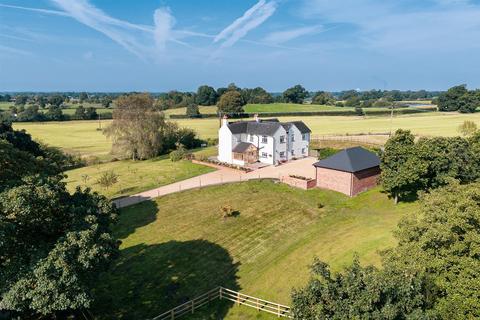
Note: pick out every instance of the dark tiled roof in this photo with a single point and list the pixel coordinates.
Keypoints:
(302, 126)
(242, 147)
(350, 160)
(266, 127)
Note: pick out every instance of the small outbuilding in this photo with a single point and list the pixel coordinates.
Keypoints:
(350, 171)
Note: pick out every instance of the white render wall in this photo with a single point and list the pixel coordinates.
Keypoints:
(225, 144)
(298, 144)
(273, 148)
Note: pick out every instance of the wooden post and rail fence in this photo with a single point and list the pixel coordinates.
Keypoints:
(221, 293)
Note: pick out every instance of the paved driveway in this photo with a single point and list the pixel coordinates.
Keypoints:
(303, 167)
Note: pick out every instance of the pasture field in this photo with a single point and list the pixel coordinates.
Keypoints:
(179, 246)
(83, 138)
(135, 176)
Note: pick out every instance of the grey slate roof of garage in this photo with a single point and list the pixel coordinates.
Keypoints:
(265, 127)
(350, 160)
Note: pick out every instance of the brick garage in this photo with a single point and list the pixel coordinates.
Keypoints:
(350, 171)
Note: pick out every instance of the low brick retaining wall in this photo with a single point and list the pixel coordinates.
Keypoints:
(299, 183)
(216, 166)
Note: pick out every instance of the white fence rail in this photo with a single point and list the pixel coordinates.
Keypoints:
(221, 293)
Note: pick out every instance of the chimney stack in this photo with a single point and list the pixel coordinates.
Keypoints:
(224, 120)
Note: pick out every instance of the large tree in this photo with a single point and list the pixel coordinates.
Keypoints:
(323, 98)
(401, 169)
(442, 242)
(206, 96)
(231, 102)
(295, 94)
(137, 129)
(433, 273)
(409, 167)
(459, 98)
(256, 95)
(360, 293)
(53, 244)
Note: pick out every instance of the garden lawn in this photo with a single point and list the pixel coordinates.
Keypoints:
(179, 246)
(134, 176)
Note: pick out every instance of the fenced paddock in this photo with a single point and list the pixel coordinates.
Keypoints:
(221, 293)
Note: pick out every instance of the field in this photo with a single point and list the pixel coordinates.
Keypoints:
(134, 176)
(178, 246)
(82, 137)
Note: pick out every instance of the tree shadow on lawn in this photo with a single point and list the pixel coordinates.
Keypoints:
(134, 217)
(149, 280)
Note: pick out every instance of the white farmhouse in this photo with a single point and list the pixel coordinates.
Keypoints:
(267, 141)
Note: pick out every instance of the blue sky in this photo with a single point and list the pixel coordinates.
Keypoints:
(159, 45)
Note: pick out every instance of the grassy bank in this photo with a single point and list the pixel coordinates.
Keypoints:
(178, 246)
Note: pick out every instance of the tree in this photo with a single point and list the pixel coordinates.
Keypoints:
(80, 112)
(441, 242)
(192, 110)
(106, 101)
(90, 113)
(56, 100)
(54, 113)
(295, 94)
(323, 98)
(53, 247)
(409, 167)
(206, 96)
(352, 102)
(137, 130)
(107, 179)
(256, 95)
(53, 244)
(432, 273)
(401, 169)
(83, 96)
(21, 100)
(360, 293)
(231, 102)
(458, 98)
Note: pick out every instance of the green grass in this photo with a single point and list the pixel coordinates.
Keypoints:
(137, 176)
(178, 246)
(82, 137)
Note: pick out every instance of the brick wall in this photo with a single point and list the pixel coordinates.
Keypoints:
(334, 180)
(299, 183)
(365, 179)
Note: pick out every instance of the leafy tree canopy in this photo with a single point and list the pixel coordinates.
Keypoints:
(295, 94)
(231, 102)
(206, 96)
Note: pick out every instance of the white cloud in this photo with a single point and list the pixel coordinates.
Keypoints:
(399, 26)
(15, 51)
(144, 41)
(251, 19)
(287, 35)
(164, 22)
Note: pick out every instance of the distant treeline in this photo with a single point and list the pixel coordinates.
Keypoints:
(36, 106)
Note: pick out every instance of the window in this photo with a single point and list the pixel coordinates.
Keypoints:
(264, 155)
(282, 154)
(264, 139)
(282, 139)
(303, 150)
(293, 152)
(304, 137)
(251, 138)
(293, 138)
